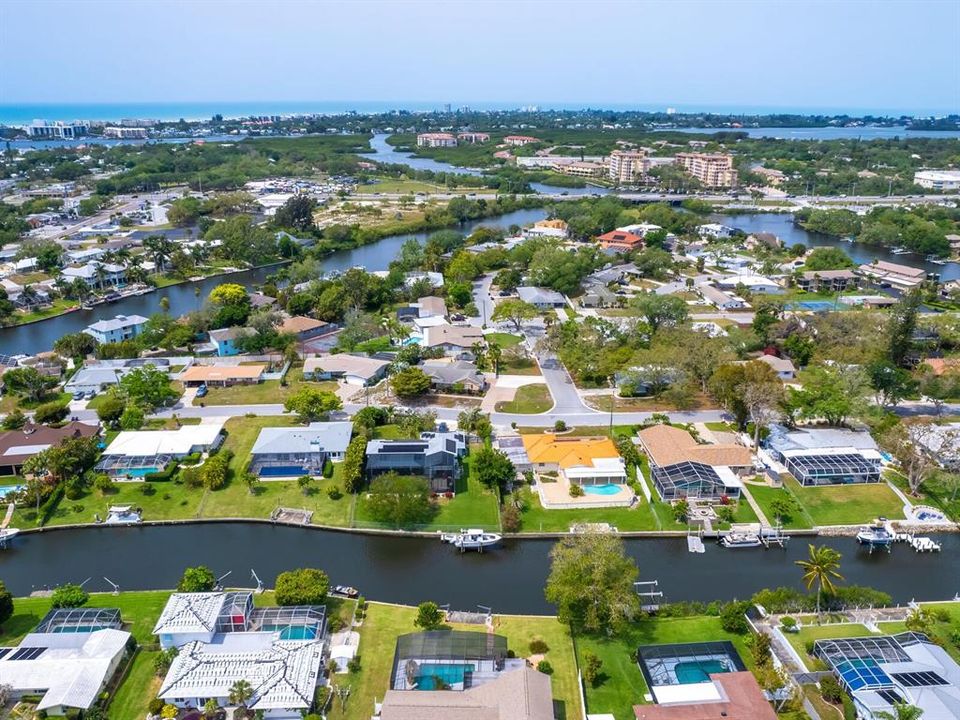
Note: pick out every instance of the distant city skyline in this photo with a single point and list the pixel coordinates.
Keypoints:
(810, 56)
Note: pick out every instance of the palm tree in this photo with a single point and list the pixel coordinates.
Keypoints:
(240, 693)
(101, 273)
(159, 249)
(211, 708)
(901, 711)
(29, 295)
(821, 568)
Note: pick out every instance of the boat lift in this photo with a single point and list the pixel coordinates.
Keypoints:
(774, 536)
(116, 588)
(259, 582)
(218, 585)
(649, 593)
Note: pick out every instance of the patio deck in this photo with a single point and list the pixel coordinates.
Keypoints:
(556, 496)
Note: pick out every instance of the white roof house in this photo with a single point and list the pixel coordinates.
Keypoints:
(354, 369)
(283, 674)
(67, 669)
(329, 438)
(190, 613)
(435, 278)
(541, 297)
(151, 443)
(753, 283)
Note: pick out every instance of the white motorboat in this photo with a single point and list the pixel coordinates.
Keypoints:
(736, 540)
(8, 534)
(122, 515)
(876, 535)
(472, 539)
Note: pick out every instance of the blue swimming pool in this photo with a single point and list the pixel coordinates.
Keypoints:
(298, 632)
(140, 472)
(690, 673)
(608, 489)
(283, 471)
(434, 677)
(8, 489)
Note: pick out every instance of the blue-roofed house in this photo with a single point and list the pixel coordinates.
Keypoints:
(297, 451)
(435, 456)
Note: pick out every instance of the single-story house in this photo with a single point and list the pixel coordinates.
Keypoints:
(435, 456)
(828, 280)
(756, 284)
(68, 660)
(763, 239)
(731, 695)
(225, 339)
(305, 327)
(136, 453)
(412, 278)
(581, 460)
(17, 446)
(681, 467)
(352, 369)
(598, 295)
(452, 339)
(824, 456)
(542, 298)
(459, 376)
(297, 451)
(222, 375)
(259, 301)
(117, 329)
(431, 306)
(782, 366)
(720, 299)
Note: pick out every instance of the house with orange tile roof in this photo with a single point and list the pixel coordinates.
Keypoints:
(581, 461)
(223, 375)
(620, 240)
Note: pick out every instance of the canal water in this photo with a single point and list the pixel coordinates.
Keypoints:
(40, 336)
(510, 579)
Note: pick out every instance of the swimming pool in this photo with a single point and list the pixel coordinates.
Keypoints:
(434, 677)
(8, 489)
(298, 632)
(608, 489)
(689, 673)
(140, 472)
(283, 471)
(812, 305)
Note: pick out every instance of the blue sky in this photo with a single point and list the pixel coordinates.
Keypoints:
(864, 55)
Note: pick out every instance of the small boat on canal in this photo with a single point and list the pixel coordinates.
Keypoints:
(739, 540)
(876, 535)
(346, 591)
(472, 539)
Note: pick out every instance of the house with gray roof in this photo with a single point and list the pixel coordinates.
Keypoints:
(542, 298)
(117, 329)
(459, 376)
(824, 456)
(296, 451)
(435, 456)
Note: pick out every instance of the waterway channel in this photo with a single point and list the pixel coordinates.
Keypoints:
(409, 570)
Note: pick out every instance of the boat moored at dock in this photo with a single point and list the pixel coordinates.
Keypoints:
(472, 539)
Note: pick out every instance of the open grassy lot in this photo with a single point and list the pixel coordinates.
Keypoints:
(138, 688)
(504, 340)
(384, 623)
(159, 501)
(9, 402)
(403, 187)
(473, 505)
(529, 400)
(516, 362)
(57, 307)
(621, 684)
(765, 495)
(642, 516)
(847, 504)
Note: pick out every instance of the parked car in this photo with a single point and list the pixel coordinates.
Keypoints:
(202, 391)
(78, 395)
(90, 395)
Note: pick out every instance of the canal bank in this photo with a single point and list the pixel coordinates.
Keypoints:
(408, 570)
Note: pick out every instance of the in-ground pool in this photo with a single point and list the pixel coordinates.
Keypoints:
(812, 305)
(608, 489)
(298, 632)
(7, 489)
(434, 677)
(283, 471)
(140, 472)
(689, 673)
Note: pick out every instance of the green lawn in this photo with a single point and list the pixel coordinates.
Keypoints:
(642, 516)
(138, 688)
(403, 187)
(473, 505)
(621, 685)
(9, 402)
(765, 495)
(504, 340)
(810, 633)
(268, 392)
(384, 623)
(847, 504)
(57, 307)
(529, 400)
(515, 362)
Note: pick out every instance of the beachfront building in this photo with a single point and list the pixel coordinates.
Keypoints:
(351, 369)
(125, 133)
(436, 139)
(222, 638)
(681, 467)
(712, 170)
(822, 456)
(17, 446)
(136, 453)
(462, 675)
(117, 329)
(67, 660)
(435, 456)
(57, 130)
(881, 672)
(291, 452)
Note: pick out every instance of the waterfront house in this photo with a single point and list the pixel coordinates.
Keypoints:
(436, 139)
(452, 339)
(225, 339)
(459, 376)
(96, 274)
(496, 686)
(67, 661)
(259, 301)
(681, 467)
(580, 461)
(822, 456)
(297, 451)
(136, 453)
(548, 229)
(222, 638)
(541, 298)
(435, 456)
(117, 329)
(222, 375)
(821, 281)
(715, 231)
(352, 369)
(887, 273)
(763, 240)
(17, 446)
